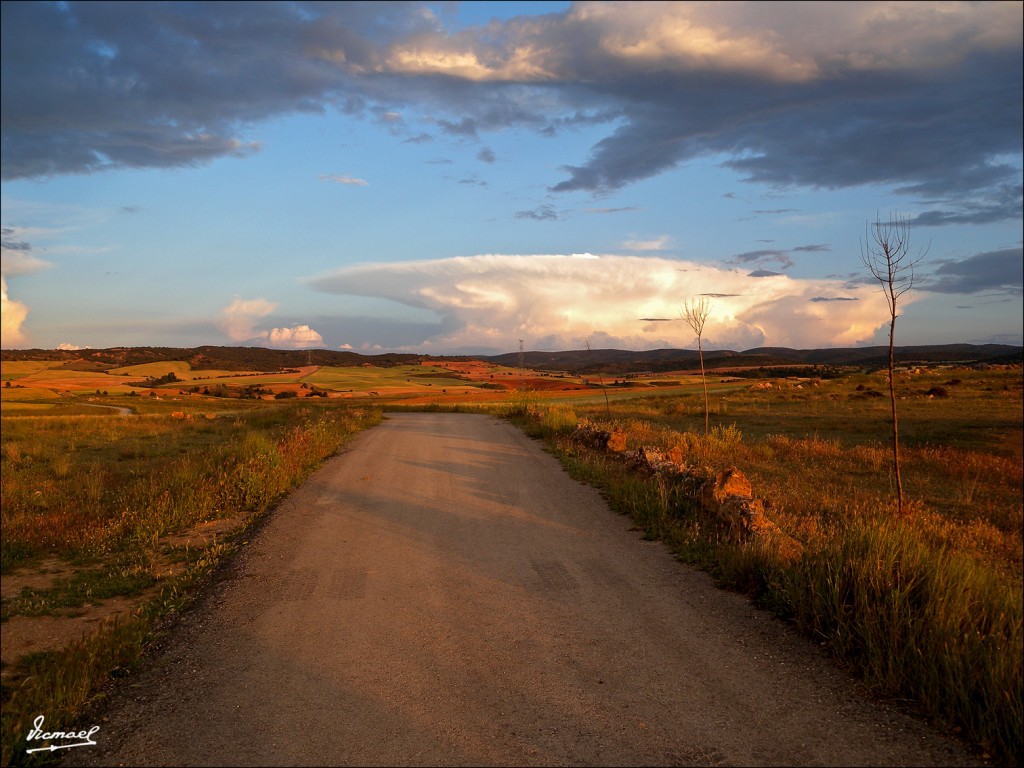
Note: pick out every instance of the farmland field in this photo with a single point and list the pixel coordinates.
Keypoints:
(105, 514)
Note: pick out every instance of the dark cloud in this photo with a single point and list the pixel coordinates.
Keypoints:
(467, 127)
(923, 134)
(611, 210)
(94, 86)
(656, 319)
(1001, 271)
(835, 298)
(13, 245)
(540, 213)
(860, 129)
(581, 119)
(88, 86)
(764, 273)
(749, 256)
(486, 155)
(767, 255)
(17, 257)
(1005, 204)
(916, 131)
(763, 256)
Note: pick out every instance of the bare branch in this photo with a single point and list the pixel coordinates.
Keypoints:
(695, 312)
(885, 251)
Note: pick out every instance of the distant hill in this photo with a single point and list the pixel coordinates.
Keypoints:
(622, 361)
(208, 357)
(951, 353)
(611, 361)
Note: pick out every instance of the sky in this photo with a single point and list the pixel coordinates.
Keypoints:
(463, 178)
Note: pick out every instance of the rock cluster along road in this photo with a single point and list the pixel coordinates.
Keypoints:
(442, 593)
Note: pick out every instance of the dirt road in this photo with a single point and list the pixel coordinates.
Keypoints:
(442, 593)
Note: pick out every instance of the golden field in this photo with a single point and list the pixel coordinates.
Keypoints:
(122, 489)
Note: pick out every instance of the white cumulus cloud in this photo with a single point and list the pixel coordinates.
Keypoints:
(240, 322)
(553, 301)
(12, 317)
(298, 337)
(16, 258)
(240, 316)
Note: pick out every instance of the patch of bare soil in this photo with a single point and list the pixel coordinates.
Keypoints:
(203, 534)
(35, 634)
(41, 576)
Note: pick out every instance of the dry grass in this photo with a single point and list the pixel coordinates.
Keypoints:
(927, 605)
(100, 493)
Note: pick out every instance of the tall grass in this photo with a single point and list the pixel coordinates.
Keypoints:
(918, 618)
(926, 605)
(126, 482)
(106, 490)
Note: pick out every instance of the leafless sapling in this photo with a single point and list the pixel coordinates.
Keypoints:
(695, 312)
(885, 251)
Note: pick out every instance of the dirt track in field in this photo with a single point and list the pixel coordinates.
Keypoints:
(442, 593)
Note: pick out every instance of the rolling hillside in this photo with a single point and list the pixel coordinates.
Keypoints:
(611, 361)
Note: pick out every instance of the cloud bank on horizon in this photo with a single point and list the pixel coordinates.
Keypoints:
(921, 99)
(558, 301)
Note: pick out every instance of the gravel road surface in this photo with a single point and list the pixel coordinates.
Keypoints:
(442, 593)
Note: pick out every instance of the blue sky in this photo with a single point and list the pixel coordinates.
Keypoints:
(452, 178)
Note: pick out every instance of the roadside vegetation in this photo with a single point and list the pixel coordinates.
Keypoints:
(108, 502)
(925, 604)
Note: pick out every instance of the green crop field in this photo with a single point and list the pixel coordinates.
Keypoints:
(152, 369)
(400, 377)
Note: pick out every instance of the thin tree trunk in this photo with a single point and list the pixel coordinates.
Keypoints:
(895, 427)
(704, 379)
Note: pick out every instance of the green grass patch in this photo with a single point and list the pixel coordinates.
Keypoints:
(154, 370)
(86, 586)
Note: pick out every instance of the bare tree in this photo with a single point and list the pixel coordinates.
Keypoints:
(695, 312)
(885, 251)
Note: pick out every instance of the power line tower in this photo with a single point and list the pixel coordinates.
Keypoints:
(522, 366)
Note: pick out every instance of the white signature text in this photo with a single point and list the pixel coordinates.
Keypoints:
(83, 737)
